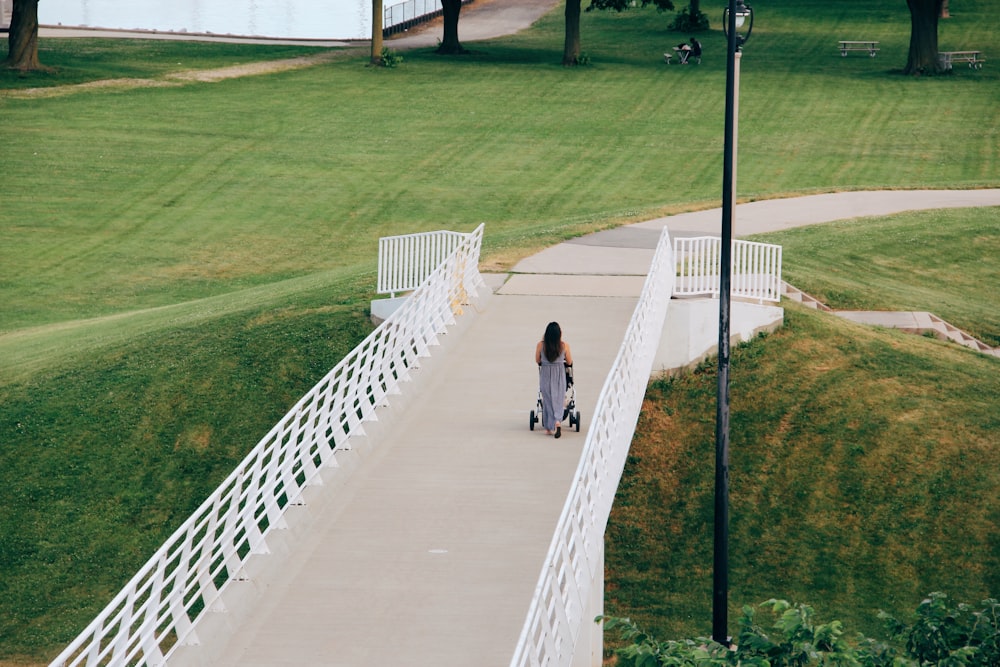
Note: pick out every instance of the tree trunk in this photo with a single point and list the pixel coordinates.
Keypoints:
(571, 47)
(376, 55)
(450, 45)
(923, 56)
(695, 8)
(22, 52)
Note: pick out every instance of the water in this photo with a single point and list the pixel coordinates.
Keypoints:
(290, 19)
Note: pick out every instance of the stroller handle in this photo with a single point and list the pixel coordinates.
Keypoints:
(569, 373)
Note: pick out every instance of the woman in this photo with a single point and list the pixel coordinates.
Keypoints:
(552, 356)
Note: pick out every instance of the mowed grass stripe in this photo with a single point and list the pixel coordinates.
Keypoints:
(35, 352)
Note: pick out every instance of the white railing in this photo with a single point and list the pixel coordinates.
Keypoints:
(568, 593)
(405, 261)
(162, 604)
(756, 268)
(408, 13)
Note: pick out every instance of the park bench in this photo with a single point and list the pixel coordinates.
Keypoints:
(974, 58)
(858, 45)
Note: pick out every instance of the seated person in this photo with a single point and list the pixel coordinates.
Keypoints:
(687, 51)
(695, 49)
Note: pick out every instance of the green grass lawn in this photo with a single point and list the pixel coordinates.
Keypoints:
(178, 264)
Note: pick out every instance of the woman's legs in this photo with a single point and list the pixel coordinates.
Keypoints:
(552, 384)
(548, 415)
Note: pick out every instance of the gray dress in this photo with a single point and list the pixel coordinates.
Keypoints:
(552, 384)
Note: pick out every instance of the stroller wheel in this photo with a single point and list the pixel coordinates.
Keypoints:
(576, 419)
(532, 420)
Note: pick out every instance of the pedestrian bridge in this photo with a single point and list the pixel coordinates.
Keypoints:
(402, 513)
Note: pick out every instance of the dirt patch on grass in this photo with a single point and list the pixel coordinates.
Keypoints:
(180, 78)
(59, 91)
(254, 69)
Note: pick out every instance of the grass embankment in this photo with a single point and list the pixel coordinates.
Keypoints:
(106, 455)
(864, 462)
(863, 476)
(178, 264)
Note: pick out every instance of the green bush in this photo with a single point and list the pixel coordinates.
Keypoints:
(942, 635)
(946, 634)
(390, 58)
(685, 21)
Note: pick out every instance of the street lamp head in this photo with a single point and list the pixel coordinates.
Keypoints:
(742, 15)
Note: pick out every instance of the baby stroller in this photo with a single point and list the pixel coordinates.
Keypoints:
(570, 412)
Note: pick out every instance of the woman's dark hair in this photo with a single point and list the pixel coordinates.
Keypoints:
(553, 341)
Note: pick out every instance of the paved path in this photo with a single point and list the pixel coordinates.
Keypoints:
(635, 243)
(479, 20)
(424, 548)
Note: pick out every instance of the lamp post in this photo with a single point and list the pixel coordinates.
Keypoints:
(734, 18)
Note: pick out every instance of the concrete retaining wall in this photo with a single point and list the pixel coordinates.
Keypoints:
(691, 332)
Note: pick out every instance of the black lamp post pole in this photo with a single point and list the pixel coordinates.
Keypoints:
(720, 570)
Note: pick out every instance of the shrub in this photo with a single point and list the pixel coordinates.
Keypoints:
(942, 635)
(685, 21)
(947, 634)
(389, 57)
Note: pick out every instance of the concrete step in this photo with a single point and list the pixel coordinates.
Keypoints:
(795, 294)
(955, 334)
(915, 322)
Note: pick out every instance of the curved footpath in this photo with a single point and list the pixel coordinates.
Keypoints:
(423, 548)
(627, 251)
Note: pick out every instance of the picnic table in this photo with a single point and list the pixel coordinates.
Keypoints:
(869, 45)
(974, 58)
(683, 54)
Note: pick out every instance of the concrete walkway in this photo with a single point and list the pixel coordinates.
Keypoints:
(423, 549)
(633, 245)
